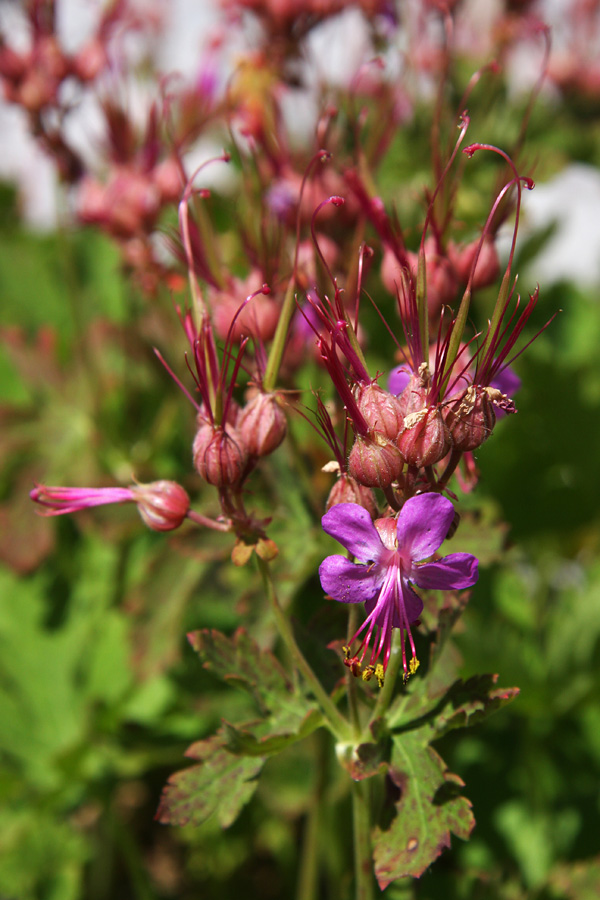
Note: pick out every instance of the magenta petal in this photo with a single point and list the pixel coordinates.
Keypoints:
(348, 582)
(456, 571)
(352, 526)
(423, 524)
(413, 605)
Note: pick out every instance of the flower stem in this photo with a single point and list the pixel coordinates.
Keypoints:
(309, 861)
(361, 818)
(199, 519)
(455, 457)
(335, 720)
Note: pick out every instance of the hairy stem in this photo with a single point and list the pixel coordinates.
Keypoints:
(361, 819)
(308, 874)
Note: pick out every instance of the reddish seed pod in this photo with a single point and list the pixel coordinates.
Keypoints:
(381, 410)
(374, 461)
(348, 490)
(425, 439)
(262, 424)
(219, 456)
(163, 505)
(471, 418)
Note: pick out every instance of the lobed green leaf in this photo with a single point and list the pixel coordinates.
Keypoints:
(428, 810)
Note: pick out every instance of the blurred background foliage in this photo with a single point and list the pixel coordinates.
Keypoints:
(100, 693)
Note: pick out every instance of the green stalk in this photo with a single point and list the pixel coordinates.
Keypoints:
(456, 337)
(278, 345)
(338, 725)
(361, 819)
(308, 873)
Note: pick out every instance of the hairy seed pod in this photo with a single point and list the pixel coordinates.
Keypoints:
(262, 424)
(381, 410)
(220, 456)
(470, 419)
(348, 490)
(425, 438)
(374, 461)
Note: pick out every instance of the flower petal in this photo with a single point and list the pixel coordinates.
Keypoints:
(413, 605)
(423, 524)
(399, 378)
(458, 570)
(348, 582)
(352, 526)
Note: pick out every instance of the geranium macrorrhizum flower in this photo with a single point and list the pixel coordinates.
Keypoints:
(391, 553)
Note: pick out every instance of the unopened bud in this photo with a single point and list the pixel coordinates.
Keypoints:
(348, 490)
(219, 456)
(163, 505)
(488, 264)
(381, 410)
(440, 277)
(262, 424)
(374, 461)
(471, 419)
(425, 439)
(90, 60)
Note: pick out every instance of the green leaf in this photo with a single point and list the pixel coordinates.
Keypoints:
(239, 659)
(428, 810)
(222, 783)
(233, 758)
(262, 738)
(471, 701)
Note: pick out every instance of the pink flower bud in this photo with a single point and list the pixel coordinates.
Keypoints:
(163, 505)
(90, 60)
(374, 461)
(219, 456)
(425, 439)
(258, 318)
(381, 410)
(471, 418)
(488, 264)
(348, 490)
(262, 424)
(167, 179)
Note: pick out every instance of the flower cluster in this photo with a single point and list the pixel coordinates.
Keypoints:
(260, 317)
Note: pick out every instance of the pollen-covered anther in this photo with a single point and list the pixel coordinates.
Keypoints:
(352, 662)
(368, 673)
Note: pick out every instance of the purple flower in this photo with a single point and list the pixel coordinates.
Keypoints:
(391, 553)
